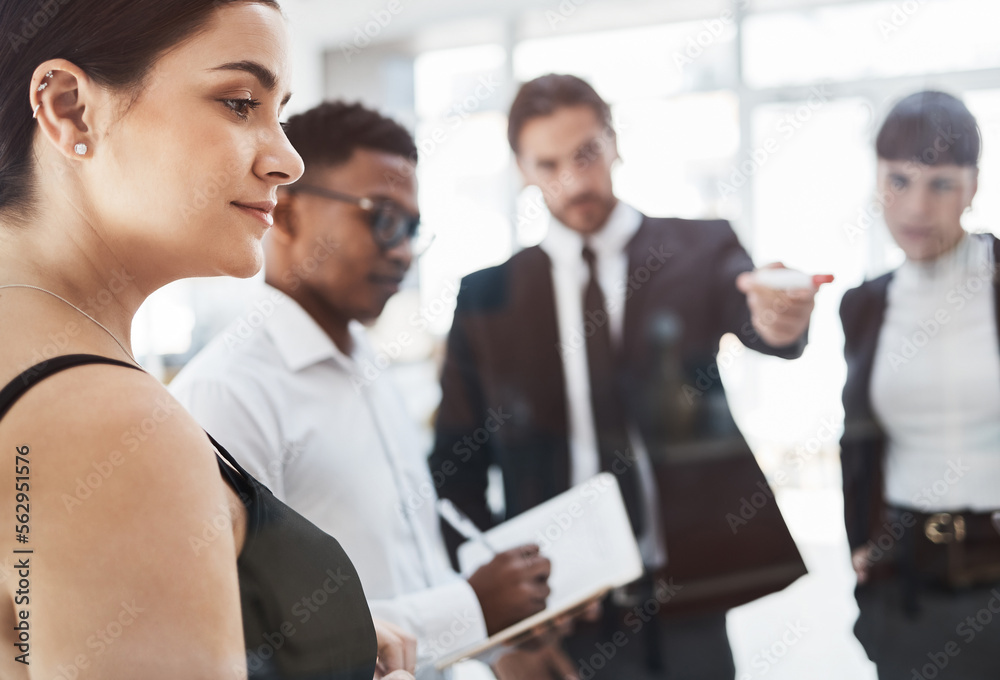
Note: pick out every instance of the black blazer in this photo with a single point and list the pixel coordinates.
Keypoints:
(504, 405)
(862, 448)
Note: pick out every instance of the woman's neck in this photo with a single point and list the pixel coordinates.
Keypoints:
(77, 266)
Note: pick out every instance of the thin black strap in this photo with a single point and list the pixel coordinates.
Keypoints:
(221, 450)
(246, 486)
(17, 387)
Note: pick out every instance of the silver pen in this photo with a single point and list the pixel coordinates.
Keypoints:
(461, 523)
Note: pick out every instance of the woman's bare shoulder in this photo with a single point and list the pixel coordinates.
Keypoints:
(119, 486)
(97, 412)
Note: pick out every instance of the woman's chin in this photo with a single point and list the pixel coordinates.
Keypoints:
(248, 269)
(922, 252)
(242, 263)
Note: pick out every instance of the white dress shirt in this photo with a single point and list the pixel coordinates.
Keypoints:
(935, 383)
(570, 275)
(341, 449)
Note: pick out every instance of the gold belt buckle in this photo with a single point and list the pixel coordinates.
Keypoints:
(945, 528)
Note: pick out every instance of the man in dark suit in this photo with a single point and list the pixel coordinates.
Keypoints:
(598, 350)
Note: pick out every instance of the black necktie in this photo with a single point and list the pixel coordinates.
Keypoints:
(606, 398)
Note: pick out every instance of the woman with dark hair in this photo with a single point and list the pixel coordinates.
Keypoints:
(921, 446)
(139, 144)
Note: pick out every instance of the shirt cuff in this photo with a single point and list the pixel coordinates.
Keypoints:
(444, 619)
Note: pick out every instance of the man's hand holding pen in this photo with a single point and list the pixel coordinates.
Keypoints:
(512, 586)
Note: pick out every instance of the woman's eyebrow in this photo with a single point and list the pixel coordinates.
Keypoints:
(264, 75)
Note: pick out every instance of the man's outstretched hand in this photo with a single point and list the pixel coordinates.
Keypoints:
(780, 309)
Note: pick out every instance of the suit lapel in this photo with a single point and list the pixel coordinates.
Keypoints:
(636, 296)
(996, 281)
(874, 315)
(544, 383)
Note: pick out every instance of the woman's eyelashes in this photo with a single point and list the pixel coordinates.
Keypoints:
(242, 107)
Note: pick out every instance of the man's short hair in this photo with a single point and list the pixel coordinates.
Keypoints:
(328, 134)
(544, 95)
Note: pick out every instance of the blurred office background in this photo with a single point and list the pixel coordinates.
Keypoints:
(759, 111)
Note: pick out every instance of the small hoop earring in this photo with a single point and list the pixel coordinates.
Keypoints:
(34, 114)
(80, 149)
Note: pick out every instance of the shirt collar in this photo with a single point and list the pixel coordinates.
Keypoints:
(967, 258)
(563, 243)
(301, 341)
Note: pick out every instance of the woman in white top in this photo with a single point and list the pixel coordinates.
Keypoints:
(921, 448)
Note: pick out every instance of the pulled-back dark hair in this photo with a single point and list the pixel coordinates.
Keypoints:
(329, 134)
(115, 42)
(543, 95)
(933, 128)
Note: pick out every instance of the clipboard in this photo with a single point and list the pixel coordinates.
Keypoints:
(584, 531)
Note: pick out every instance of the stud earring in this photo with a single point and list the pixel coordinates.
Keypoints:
(80, 149)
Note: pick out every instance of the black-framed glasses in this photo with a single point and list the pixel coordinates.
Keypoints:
(390, 222)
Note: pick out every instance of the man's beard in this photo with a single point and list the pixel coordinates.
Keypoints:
(595, 213)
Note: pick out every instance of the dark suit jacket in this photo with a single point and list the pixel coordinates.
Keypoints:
(504, 356)
(862, 448)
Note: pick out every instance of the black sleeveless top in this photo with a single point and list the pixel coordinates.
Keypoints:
(305, 616)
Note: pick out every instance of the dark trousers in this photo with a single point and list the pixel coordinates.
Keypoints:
(954, 635)
(627, 643)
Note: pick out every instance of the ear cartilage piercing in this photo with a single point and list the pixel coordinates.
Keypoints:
(34, 113)
(80, 149)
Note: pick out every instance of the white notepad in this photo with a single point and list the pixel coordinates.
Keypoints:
(586, 534)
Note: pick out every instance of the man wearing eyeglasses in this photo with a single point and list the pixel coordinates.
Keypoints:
(292, 403)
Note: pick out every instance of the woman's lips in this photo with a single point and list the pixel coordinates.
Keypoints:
(262, 211)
